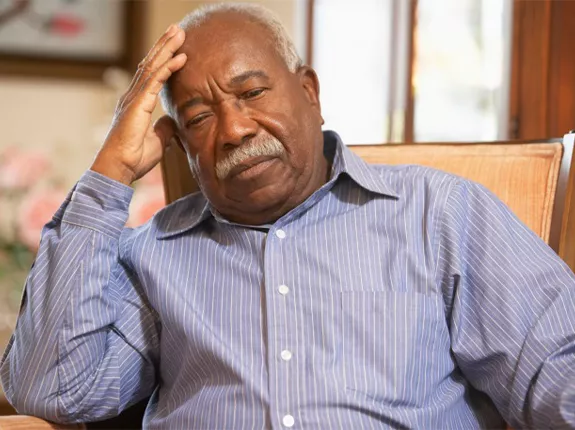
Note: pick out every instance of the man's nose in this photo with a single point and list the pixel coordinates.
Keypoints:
(234, 125)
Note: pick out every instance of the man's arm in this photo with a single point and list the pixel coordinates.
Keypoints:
(511, 308)
(86, 342)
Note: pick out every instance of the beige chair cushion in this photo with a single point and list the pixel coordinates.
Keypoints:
(523, 175)
(24, 422)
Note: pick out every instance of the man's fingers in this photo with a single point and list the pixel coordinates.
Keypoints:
(160, 43)
(152, 59)
(153, 85)
(161, 75)
(167, 51)
(166, 129)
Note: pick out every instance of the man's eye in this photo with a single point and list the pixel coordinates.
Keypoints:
(197, 120)
(252, 94)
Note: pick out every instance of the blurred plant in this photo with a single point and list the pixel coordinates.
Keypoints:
(19, 172)
(31, 191)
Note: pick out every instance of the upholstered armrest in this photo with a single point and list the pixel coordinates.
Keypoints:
(24, 422)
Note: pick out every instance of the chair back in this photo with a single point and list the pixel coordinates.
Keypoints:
(524, 176)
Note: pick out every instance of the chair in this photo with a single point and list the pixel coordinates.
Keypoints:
(23, 422)
(535, 179)
(131, 418)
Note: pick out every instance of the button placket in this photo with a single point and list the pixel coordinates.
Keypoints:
(283, 339)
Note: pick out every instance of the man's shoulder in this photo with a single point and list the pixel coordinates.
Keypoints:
(176, 216)
(409, 176)
(434, 185)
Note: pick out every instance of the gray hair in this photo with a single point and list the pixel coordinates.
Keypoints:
(256, 13)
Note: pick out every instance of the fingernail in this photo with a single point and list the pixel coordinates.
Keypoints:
(172, 30)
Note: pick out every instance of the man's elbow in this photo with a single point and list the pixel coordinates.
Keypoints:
(42, 398)
(31, 402)
(52, 407)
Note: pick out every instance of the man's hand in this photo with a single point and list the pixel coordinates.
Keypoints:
(133, 146)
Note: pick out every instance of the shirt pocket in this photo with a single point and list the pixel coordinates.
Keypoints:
(395, 346)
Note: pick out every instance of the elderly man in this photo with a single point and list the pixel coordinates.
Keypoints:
(301, 287)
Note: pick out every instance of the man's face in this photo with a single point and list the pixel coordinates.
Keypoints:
(251, 128)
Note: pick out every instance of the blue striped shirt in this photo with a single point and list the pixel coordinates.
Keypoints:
(392, 297)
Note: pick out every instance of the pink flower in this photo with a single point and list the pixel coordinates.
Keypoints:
(147, 200)
(20, 169)
(36, 209)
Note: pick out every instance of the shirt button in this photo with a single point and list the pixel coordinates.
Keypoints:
(283, 289)
(281, 234)
(288, 421)
(286, 355)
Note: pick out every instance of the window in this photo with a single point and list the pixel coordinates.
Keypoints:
(452, 84)
(461, 70)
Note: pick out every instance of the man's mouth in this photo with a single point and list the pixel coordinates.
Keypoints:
(251, 167)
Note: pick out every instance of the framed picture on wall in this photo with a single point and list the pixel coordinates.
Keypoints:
(69, 38)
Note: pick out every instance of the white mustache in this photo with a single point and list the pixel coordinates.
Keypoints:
(257, 147)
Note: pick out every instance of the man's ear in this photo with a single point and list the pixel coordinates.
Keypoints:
(178, 139)
(310, 84)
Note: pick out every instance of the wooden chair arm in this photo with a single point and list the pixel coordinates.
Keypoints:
(24, 422)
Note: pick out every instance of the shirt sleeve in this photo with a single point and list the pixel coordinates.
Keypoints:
(86, 344)
(510, 304)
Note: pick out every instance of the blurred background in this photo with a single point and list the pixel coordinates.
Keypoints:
(390, 71)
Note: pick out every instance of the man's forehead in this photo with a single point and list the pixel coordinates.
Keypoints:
(229, 48)
(232, 67)
(228, 27)
(227, 61)
(193, 94)
(226, 52)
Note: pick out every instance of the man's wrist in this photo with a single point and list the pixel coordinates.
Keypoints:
(100, 203)
(111, 170)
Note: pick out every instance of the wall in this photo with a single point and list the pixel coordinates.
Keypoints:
(291, 12)
(66, 117)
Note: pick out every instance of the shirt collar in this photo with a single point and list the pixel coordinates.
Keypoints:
(364, 174)
(189, 211)
(181, 215)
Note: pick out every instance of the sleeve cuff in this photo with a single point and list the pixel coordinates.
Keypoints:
(99, 203)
